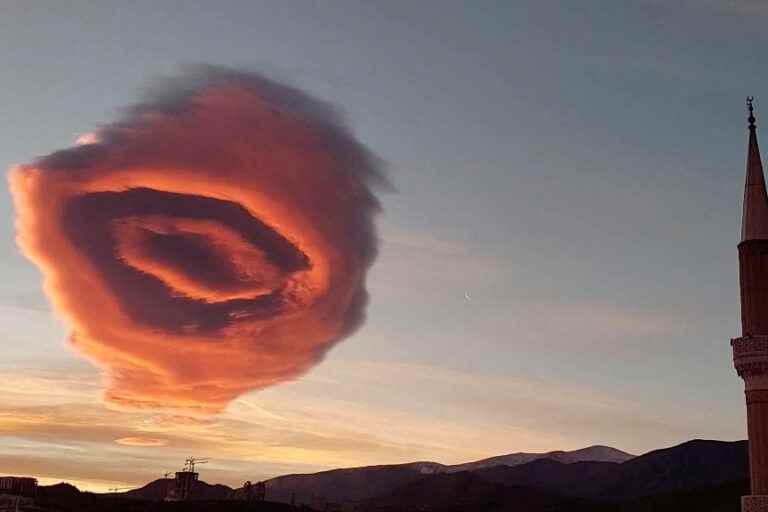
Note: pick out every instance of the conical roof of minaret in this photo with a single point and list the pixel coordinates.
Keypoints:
(755, 218)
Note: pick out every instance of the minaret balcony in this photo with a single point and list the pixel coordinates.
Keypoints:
(750, 357)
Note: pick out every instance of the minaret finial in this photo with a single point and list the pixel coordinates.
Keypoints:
(755, 217)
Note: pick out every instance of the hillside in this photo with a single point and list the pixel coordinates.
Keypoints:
(580, 479)
(589, 454)
(362, 483)
(696, 463)
(347, 485)
(157, 490)
(691, 465)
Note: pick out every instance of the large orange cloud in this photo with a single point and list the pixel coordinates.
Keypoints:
(213, 241)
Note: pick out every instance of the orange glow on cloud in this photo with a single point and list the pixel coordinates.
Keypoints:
(211, 243)
(149, 442)
(87, 138)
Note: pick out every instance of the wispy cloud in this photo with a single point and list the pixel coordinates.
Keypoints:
(337, 416)
(141, 441)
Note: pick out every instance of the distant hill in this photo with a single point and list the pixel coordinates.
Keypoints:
(589, 454)
(683, 467)
(345, 485)
(659, 480)
(595, 473)
(158, 489)
(694, 464)
(362, 483)
(579, 479)
(155, 490)
(62, 490)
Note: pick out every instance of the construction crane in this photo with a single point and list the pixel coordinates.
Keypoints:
(189, 464)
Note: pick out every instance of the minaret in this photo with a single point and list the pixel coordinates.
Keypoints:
(750, 352)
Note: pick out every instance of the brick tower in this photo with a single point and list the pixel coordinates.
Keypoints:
(750, 351)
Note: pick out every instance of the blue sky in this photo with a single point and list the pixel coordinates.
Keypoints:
(577, 168)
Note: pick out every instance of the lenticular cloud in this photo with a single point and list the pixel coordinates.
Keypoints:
(213, 241)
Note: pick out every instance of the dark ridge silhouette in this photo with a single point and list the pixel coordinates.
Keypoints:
(362, 483)
(61, 490)
(694, 464)
(691, 465)
(719, 498)
(158, 489)
(347, 485)
(597, 453)
(155, 490)
(580, 479)
(462, 491)
(64, 497)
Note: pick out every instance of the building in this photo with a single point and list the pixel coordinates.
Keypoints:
(18, 486)
(9, 503)
(253, 492)
(750, 351)
(180, 488)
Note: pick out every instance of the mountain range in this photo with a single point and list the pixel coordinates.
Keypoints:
(696, 475)
(364, 483)
(590, 454)
(598, 473)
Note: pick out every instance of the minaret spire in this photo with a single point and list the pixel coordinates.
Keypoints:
(755, 217)
(750, 351)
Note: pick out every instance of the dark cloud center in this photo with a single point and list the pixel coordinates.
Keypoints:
(196, 256)
(88, 221)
